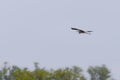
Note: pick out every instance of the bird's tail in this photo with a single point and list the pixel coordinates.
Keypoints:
(89, 32)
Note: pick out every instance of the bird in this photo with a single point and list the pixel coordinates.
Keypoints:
(80, 31)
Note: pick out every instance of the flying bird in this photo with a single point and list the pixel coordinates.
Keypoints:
(81, 31)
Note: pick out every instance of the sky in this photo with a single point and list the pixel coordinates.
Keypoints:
(40, 31)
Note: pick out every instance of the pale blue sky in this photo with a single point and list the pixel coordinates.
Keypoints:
(39, 31)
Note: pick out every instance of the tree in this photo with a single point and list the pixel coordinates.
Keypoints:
(62, 74)
(40, 73)
(99, 73)
(67, 73)
(17, 73)
(76, 72)
(4, 72)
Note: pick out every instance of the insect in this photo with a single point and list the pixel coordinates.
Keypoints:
(81, 31)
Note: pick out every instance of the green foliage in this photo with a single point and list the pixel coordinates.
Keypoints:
(22, 74)
(99, 73)
(76, 72)
(40, 73)
(63, 74)
(68, 73)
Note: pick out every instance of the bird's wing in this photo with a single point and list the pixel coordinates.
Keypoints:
(79, 30)
(89, 31)
(74, 29)
(82, 31)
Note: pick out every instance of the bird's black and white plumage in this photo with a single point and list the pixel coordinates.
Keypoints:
(81, 31)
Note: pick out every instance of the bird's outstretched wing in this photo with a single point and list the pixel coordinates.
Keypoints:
(81, 31)
(74, 29)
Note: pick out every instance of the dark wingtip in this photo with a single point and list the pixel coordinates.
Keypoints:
(72, 28)
(89, 31)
